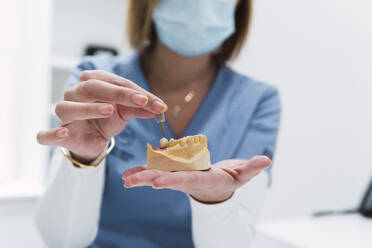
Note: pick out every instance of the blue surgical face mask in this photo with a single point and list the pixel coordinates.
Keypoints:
(194, 27)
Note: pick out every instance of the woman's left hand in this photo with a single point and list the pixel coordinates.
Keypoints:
(212, 186)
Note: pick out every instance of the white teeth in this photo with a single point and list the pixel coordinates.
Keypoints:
(172, 142)
(182, 142)
(190, 140)
(163, 142)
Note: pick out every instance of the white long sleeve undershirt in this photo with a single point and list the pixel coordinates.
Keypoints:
(68, 213)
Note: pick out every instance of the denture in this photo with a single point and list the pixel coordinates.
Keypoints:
(184, 154)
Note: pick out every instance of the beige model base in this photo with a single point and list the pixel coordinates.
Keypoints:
(185, 154)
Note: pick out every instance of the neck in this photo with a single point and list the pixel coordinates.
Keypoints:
(166, 70)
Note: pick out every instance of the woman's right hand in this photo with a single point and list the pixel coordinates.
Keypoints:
(98, 107)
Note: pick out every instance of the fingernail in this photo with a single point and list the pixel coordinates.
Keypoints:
(126, 184)
(157, 187)
(139, 99)
(62, 133)
(159, 106)
(105, 109)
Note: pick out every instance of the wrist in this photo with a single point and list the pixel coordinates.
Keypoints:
(89, 163)
(91, 155)
(84, 159)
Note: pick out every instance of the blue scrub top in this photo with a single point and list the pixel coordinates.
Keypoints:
(240, 118)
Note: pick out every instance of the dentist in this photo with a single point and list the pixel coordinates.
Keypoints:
(179, 67)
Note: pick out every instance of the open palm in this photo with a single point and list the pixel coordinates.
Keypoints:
(214, 185)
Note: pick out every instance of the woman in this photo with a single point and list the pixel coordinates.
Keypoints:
(180, 66)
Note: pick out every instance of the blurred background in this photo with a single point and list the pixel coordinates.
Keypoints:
(318, 53)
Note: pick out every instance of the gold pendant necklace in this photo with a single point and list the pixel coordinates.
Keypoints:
(187, 99)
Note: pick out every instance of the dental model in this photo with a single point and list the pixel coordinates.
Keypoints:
(185, 154)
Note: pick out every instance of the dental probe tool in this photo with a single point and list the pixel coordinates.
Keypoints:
(160, 118)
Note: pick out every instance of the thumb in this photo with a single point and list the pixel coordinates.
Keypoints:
(252, 168)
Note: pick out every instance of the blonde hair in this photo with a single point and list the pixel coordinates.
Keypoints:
(141, 30)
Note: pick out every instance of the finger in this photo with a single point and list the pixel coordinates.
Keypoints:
(128, 113)
(95, 90)
(231, 172)
(110, 78)
(143, 178)
(73, 111)
(230, 165)
(181, 180)
(153, 100)
(54, 137)
(132, 171)
(253, 166)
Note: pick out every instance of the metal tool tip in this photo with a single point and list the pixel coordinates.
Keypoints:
(160, 117)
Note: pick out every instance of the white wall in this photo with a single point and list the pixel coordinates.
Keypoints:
(16, 224)
(77, 23)
(319, 54)
(25, 29)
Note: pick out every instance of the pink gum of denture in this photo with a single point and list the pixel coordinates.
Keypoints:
(158, 148)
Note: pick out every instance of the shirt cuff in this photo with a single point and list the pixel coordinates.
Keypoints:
(94, 164)
(84, 171)
(203, 209)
